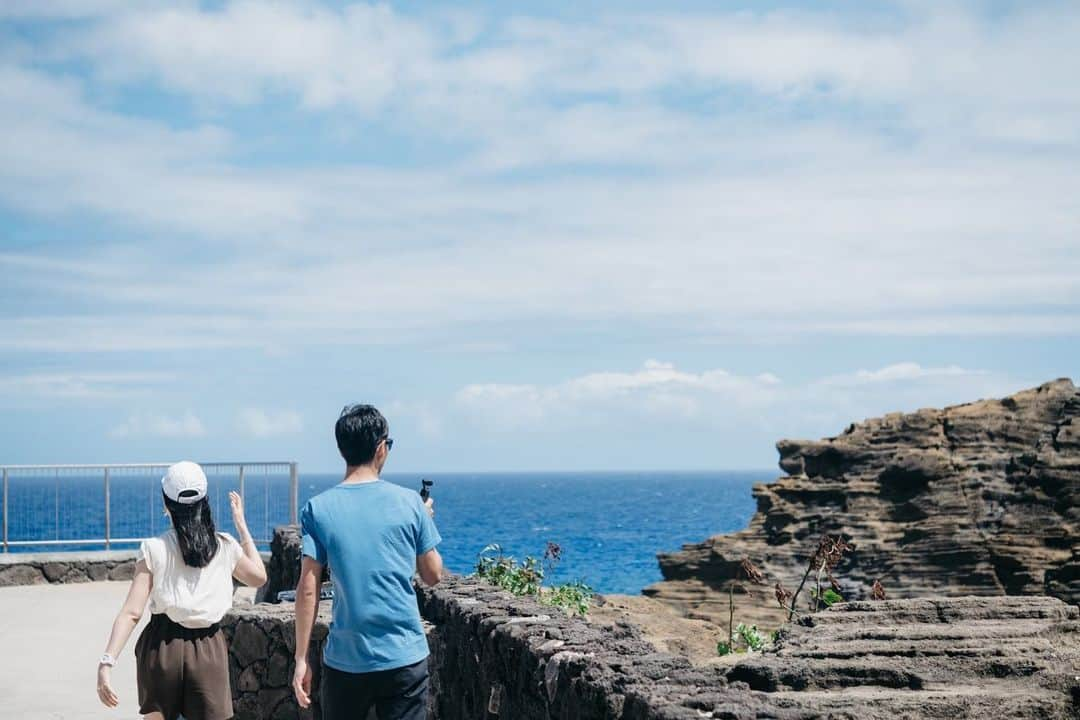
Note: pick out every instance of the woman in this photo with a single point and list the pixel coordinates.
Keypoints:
(182, 663)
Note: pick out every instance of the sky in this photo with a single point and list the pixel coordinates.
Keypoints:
(539, 236)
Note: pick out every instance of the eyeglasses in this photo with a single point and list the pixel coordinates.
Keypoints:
(389, 443)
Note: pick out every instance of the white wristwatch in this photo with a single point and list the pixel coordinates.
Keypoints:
(107, 659)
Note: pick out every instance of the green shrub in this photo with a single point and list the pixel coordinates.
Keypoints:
(751, 637)
(829, 597)
(527, 578)
(502, 570)
(572, 598)
(748, 636)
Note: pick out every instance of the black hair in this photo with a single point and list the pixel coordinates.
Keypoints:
(195, 531)
(359, 431)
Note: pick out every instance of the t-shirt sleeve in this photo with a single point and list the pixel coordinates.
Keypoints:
(310, 540)
(233, 548)
(144, 554)
(427, 535)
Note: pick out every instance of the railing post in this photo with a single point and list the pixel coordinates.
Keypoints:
(108, 519)
(5, 509)
(241, 482)
(294, 493)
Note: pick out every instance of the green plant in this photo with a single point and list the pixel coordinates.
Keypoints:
(751, 637)
(527, 577)
(828, 597)
(747, 639)
(745, 570)
(830, 551)
(572, 598)
(502, 570)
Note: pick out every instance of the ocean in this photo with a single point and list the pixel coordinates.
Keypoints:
(610, 525)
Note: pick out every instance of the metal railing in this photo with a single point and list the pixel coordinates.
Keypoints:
(28, 500)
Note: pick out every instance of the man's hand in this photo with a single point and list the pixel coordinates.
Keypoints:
(429, 505)
(301, 683)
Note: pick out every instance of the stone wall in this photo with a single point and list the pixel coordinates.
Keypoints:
(70, 567)
(493, 655)
(511, 658)
(499, 657)
(262, 642)
(65, 567)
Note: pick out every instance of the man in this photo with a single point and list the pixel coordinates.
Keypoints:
(374, 536)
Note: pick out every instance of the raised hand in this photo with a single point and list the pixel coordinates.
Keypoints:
(236, 503)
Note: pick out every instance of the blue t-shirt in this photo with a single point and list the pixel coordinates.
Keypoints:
(370, 535)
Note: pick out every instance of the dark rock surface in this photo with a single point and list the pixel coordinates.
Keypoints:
(283, 568)
(283, 571)
(73, 567)
(506, 657)
(261, 642)
(975, 499)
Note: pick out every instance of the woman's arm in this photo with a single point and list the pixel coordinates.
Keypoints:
(250, 570)
(126, 620)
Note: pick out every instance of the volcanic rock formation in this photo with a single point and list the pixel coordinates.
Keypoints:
(975, 499)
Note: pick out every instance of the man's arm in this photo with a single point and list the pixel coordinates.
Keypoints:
(430, 567)
(307, 608)
(429, 562)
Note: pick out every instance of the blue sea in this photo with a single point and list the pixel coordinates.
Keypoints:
(610, 525)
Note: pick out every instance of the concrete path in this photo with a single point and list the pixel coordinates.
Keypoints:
(51, 637)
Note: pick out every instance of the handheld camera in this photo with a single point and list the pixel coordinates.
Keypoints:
(424, 485)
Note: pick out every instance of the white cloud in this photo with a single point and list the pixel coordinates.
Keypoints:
(84, 386)
(357, 56)
(261, 423)
(661, 393)
(937, 65)
(878, 180)
(185, 425)
(657, 389)
(900, 372)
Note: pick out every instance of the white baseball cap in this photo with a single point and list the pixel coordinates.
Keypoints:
(184, 482)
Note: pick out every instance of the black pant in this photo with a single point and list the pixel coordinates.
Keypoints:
(398, 694)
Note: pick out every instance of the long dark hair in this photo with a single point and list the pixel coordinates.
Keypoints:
(195, 531)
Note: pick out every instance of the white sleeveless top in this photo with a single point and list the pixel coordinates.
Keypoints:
(192, 597)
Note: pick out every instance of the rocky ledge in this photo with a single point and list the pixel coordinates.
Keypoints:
(975, 499)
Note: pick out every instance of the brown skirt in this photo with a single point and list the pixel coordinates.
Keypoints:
(183, 671)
